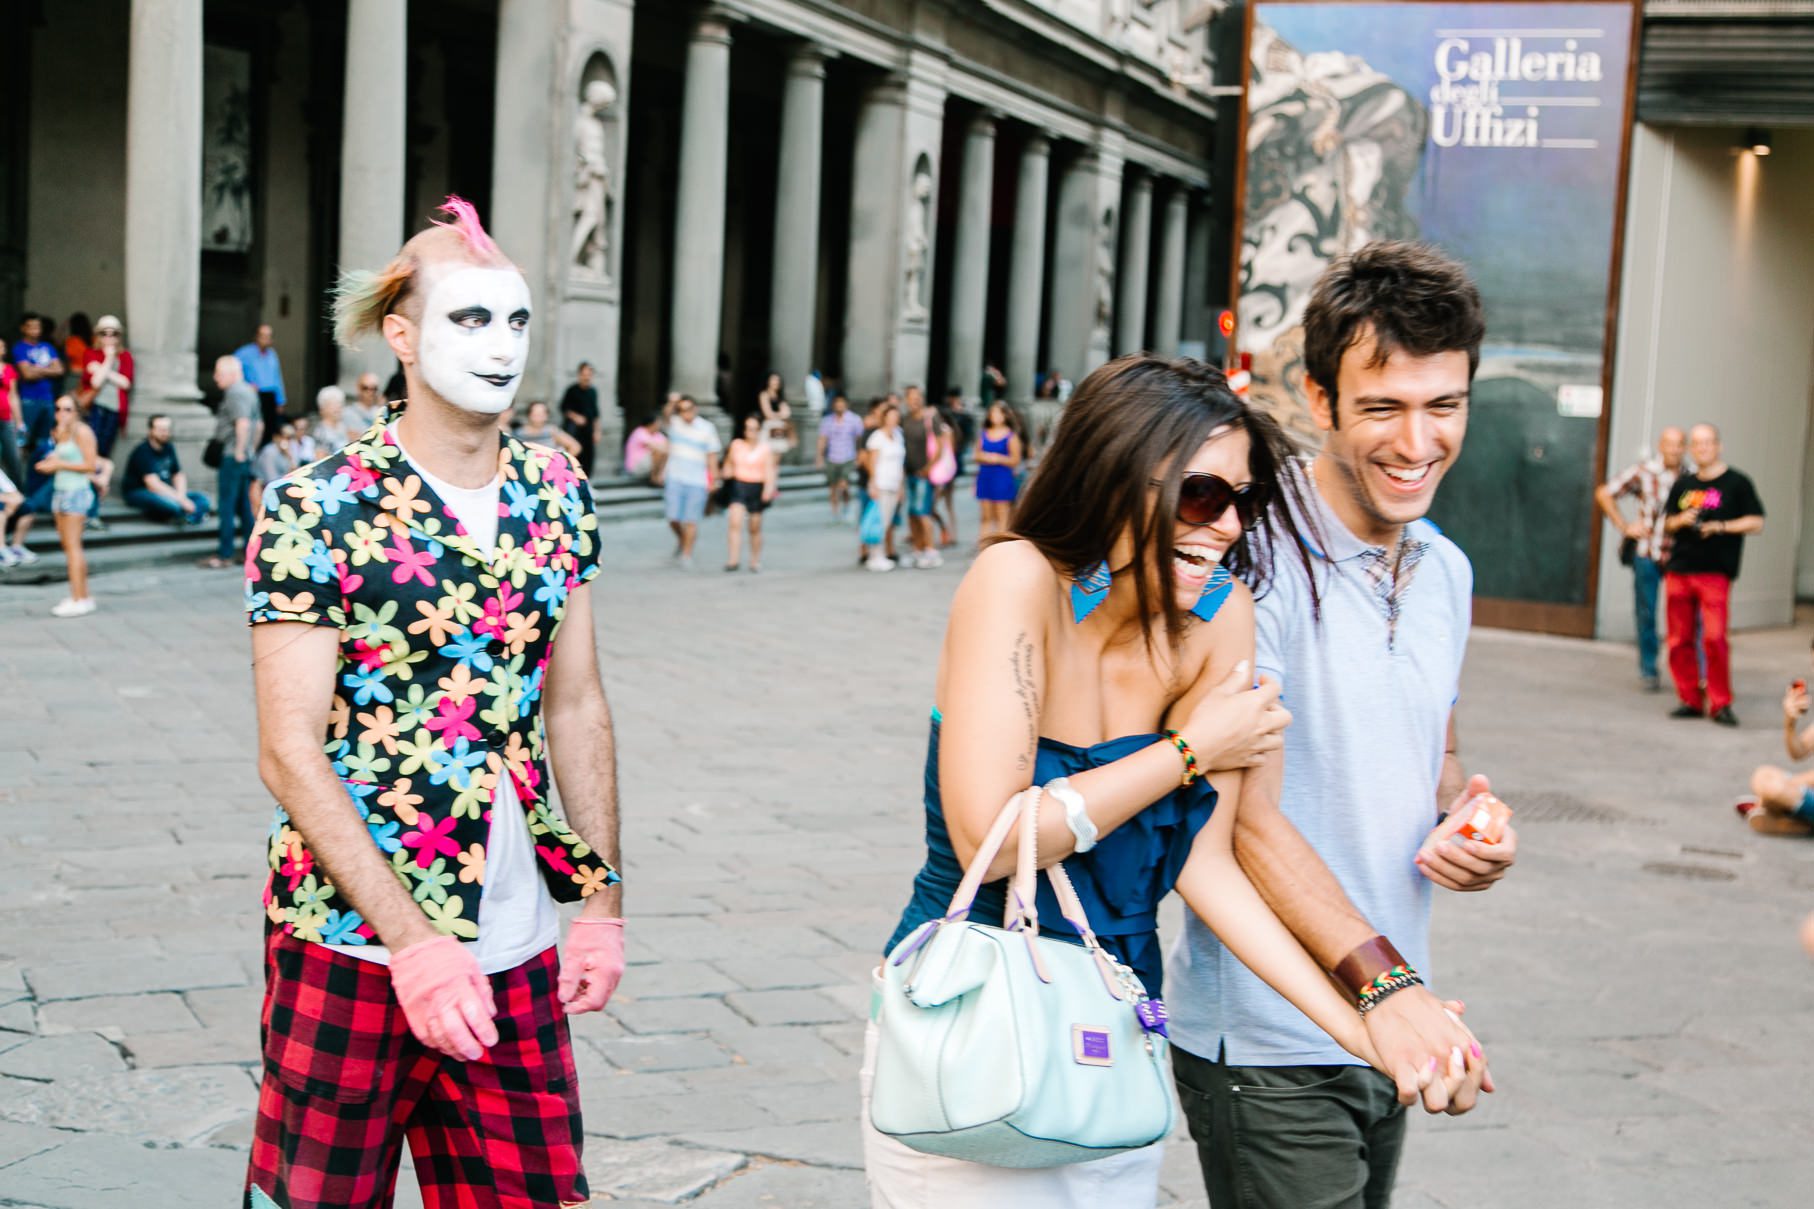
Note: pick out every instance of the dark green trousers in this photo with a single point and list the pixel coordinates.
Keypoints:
(1291, 1137)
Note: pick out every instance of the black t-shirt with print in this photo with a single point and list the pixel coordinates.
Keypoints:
(1725, 498)
(146, 460)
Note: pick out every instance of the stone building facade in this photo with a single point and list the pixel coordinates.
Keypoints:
(889, 191)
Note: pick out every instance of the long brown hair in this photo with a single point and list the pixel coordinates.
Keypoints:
(1133, 422)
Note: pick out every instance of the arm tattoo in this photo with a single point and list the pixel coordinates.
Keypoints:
(1025, 687)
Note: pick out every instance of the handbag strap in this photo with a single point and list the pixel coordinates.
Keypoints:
(965, 896)
(1022, 909)
(1022, 913)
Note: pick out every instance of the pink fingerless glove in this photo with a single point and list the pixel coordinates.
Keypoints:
(592, 965)
(447, 1002)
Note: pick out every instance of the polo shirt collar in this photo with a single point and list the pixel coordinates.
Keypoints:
(1336, 541)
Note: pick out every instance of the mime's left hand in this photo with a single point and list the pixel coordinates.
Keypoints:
(592, 965)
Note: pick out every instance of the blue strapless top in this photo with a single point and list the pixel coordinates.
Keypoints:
(1120, 881)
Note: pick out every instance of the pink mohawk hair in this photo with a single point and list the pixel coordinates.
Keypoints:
(466, 223)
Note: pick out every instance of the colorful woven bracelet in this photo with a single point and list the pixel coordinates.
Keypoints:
(1191, 771)
(1387, 985)
(1386, 976)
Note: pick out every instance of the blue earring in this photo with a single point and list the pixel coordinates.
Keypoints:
(1220, 583)
(1091, 588)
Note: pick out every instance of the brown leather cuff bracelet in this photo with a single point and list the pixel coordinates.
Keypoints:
(1358, 970)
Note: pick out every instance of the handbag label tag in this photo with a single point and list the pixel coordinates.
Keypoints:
(1090, 1046)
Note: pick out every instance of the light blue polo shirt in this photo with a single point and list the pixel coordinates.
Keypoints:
(1370, 708)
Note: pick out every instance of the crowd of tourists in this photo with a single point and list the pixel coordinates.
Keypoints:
(895, 465)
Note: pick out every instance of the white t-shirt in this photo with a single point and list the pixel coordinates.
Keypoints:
(889, 472)
(517, 918)
(690, 445)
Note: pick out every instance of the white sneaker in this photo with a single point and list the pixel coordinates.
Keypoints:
(930, 559)
(878, 562)
(26, 557)
(7, 557)
(69, 608)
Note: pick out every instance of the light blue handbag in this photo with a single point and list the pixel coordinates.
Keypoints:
(1000, 1046)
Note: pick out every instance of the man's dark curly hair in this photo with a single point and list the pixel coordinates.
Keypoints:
(1407, 296)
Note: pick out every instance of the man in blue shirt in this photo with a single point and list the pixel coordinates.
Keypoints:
(1367, 650)
(264, 373)
(41, 371)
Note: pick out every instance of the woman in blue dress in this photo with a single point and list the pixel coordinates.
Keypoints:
(998, 456)
(1117, 610)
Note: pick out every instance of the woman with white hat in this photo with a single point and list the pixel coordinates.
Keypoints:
(105, 392)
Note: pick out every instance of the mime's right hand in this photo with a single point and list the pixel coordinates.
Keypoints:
(1238, 724)
(447, 1002)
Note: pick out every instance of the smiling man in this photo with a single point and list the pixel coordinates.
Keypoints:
(1367, 650)
(423, 658)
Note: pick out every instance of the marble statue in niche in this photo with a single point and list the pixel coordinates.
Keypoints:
(589, 246)
(1105, 273)
(919, 243)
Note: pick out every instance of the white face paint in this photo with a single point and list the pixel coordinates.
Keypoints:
(475, 337)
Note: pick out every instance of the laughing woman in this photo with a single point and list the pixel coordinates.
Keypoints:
(1115, 615)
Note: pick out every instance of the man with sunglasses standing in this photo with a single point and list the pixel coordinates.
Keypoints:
(1346, 833)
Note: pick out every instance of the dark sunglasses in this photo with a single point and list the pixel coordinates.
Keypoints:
(1203, 498)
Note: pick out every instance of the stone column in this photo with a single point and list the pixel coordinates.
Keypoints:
(164, 221)
(1136, 240)
(1198, 319)
(793, 305)
(970, 255)
(1168, 307)
(1074, 277)
(523, 136)
(164, 198)
(887, 321)
(695, 321)
(1027, 269)
(372, 159)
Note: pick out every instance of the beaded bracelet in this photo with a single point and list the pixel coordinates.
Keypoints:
(1191, 772)
(1386, 985)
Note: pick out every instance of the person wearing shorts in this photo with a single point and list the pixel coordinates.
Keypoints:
(10, 499)
(750, 468)
(692, 441)
(841, 435)
(71, 463)
(922, 429)
(884, 459)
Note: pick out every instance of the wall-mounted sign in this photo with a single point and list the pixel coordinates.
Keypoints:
(1496, 131)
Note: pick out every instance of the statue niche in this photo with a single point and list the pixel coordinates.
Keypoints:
(594, 191)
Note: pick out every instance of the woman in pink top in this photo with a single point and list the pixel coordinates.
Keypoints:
(749, 470)
(647, 449)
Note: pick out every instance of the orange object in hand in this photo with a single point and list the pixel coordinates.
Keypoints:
(1484, 819)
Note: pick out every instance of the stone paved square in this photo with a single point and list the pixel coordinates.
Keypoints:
(1636, 978)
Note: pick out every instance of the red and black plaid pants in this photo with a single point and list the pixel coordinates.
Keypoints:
(346, 1083)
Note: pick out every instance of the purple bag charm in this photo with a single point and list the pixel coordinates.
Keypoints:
(1153, 1016)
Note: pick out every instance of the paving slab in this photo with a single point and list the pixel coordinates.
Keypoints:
(85, 979)
(138, 1013)
(658, 1173)
(99, 1169)
(788, 1186)
(54, 1058)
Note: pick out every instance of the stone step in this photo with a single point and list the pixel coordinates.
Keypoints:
(131, 542)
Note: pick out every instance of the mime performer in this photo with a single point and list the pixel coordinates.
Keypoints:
(423, 658)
